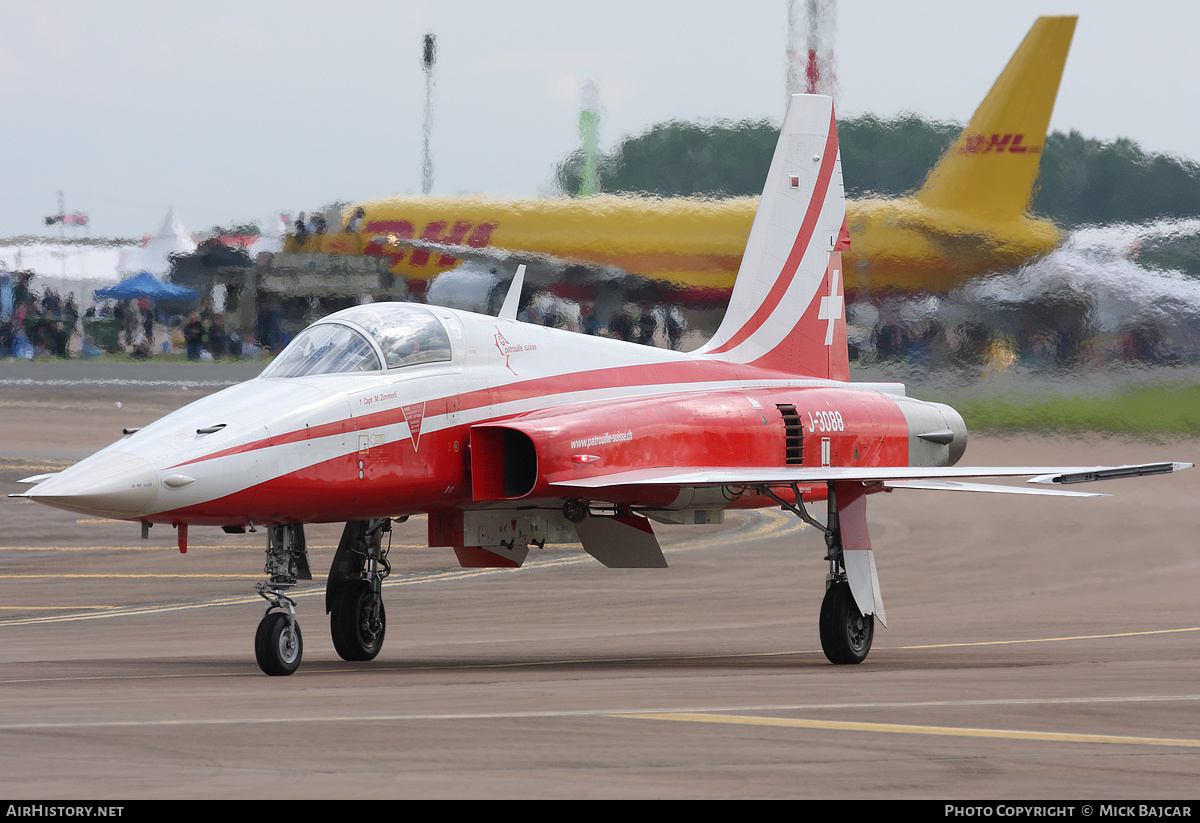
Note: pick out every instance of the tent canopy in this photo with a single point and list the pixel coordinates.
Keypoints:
(155, 256)
(145, 285)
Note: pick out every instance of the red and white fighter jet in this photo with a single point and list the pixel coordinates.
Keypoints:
(508, 434)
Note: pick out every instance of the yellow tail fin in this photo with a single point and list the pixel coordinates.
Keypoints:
(992, 166)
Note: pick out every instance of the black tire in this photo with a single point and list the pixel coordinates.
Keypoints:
(277, 647)
(357, 633)
(846, 633)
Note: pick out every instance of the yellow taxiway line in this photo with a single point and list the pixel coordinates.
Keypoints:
(907, 728)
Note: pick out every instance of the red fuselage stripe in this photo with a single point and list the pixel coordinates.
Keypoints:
(647, 374)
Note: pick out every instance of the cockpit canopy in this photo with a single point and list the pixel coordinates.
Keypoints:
(355, 339)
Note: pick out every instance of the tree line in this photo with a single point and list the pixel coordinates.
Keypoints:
(1082, 180)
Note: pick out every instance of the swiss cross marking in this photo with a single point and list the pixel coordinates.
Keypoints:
(832, 306)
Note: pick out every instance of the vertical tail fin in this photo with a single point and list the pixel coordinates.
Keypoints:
(992, 166)
(787, 310)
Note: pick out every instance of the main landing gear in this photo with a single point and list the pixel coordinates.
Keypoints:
(846, 633)
(353, 595)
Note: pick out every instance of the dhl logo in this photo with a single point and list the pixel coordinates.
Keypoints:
(461, 233)
(998, 143)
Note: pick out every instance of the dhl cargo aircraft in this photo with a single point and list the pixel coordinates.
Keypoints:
(968, 218)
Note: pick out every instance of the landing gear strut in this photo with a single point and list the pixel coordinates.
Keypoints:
(278, 644)
(846, 633)
(353, 595)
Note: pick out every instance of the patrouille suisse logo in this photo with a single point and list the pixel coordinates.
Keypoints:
(509, 349)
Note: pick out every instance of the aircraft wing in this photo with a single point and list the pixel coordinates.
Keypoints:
(940, 478)
(547, 271)
(473, 254)
(543, 269)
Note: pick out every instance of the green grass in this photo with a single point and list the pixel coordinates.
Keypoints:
(1144, 411)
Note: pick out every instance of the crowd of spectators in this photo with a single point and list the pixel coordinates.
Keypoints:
(38, 325)
(49, 325)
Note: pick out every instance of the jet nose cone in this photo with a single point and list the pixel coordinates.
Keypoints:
(108, 484)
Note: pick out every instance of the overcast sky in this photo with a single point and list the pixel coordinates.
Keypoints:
(231, 110)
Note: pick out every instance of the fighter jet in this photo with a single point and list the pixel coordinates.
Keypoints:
(508, 434)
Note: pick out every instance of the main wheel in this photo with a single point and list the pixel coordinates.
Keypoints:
(278, 645)
(357, 622)
(846, 632)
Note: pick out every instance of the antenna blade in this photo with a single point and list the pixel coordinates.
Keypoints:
(509, 309)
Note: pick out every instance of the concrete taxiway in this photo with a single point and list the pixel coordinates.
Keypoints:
(1038, 648)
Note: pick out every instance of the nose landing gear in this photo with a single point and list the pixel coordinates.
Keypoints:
(278, 644)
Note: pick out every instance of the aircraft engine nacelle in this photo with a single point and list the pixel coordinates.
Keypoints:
(519, 458)
(937, 435)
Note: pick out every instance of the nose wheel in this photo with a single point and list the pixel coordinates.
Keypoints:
(278, 644)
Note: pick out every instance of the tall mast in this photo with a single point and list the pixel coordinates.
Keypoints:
(427, 60)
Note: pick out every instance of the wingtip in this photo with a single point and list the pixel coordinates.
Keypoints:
(1110, 473)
